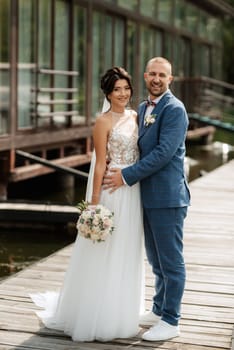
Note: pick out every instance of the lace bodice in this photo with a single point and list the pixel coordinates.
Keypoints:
(122, 143)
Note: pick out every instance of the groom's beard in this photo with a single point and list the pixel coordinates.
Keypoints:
(156, 90)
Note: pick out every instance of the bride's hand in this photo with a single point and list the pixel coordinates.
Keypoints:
(113, 180)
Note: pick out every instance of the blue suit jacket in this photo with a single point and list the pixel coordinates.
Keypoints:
(160, 169)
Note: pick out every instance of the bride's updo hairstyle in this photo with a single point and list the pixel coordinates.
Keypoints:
(111, 76)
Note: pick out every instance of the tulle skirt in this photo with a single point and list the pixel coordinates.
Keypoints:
(101, 295)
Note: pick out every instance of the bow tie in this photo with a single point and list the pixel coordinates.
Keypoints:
(150, 103)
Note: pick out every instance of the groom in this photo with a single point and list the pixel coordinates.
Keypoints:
(165, 195)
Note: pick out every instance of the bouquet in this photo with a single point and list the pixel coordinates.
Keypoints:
(95, 221)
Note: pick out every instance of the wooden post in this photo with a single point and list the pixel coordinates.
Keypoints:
(4, 174)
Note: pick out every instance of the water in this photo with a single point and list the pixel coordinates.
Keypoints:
(21, 247)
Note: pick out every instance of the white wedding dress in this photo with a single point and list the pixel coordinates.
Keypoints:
(101, 295)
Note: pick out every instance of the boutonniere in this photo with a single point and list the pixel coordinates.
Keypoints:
(150, 119)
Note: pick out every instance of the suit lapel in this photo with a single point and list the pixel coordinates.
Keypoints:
(141, 112)
(156, 110)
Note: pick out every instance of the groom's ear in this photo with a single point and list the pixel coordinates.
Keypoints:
(171, 79)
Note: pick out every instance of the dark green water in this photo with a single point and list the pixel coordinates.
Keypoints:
(21, 247)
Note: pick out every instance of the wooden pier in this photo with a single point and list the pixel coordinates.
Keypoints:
(208, 303)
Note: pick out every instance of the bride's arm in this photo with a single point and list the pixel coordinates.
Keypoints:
(100, 137)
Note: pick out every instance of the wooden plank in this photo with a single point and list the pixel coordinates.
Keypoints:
(208, 304)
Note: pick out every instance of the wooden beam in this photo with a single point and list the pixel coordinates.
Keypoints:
(34, 170)
(45, 137)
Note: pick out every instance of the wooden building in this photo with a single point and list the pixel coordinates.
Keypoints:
(53, 52)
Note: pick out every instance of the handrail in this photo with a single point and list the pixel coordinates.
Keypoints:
(53, 114)
(51, 100)
(54, 89)
(52, 165)
(210, 121)
(203, 78)
(56, 71)
(219, 96)
(205, 95)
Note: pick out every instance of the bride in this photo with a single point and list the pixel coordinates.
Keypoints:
(101, 295)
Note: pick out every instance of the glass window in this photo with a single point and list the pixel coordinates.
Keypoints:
(4, 66)
(181, 57)
(79, 57)
(205, 57)
(130, 4)
(216, 57)
(147, 50)
(98, 64)
(44, 55)
(119, 42)
(180, 14)
(109, 41)
(150, 46)
(214, 29)
(26, 65)
(44, 35)
(192, 19)
(131, 48)
(165, 10)
(201, 60)
(61, 53)
(158, 43)
(196, 60)
(203, 24)
(108, 50)
(167, 46)
(148, 8)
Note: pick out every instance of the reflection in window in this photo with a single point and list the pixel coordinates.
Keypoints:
(4, 66)
(181, 57)
(119, 42)
(79, 57)
(130, 4)
(146, 51)
(205, 54)
(192, 19)
(131, 47)
(44, 55)
(108, 40)
(203, 24)
(214, 29)
(216, 69)
(165, 10)
(148, 8)
(180, 14)
(98, 68)
(61, 53)
(196, 60)
(26, 66)
(150, 46)
(201, 59)
(167, 52)
(106, 52)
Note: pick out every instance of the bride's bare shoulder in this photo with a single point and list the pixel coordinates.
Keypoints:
(103, 119)
(133, 113)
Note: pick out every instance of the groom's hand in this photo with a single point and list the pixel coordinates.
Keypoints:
(113, 180)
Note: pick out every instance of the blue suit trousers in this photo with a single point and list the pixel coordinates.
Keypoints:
(164, 248)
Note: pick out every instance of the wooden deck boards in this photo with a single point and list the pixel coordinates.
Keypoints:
(208, 303)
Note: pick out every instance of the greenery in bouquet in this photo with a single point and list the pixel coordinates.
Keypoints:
(95, 221)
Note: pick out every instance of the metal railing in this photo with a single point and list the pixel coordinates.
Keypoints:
(206, 96)
(45, 96)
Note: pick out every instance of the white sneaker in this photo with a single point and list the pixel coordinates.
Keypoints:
(162, 331)
(149, 319)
